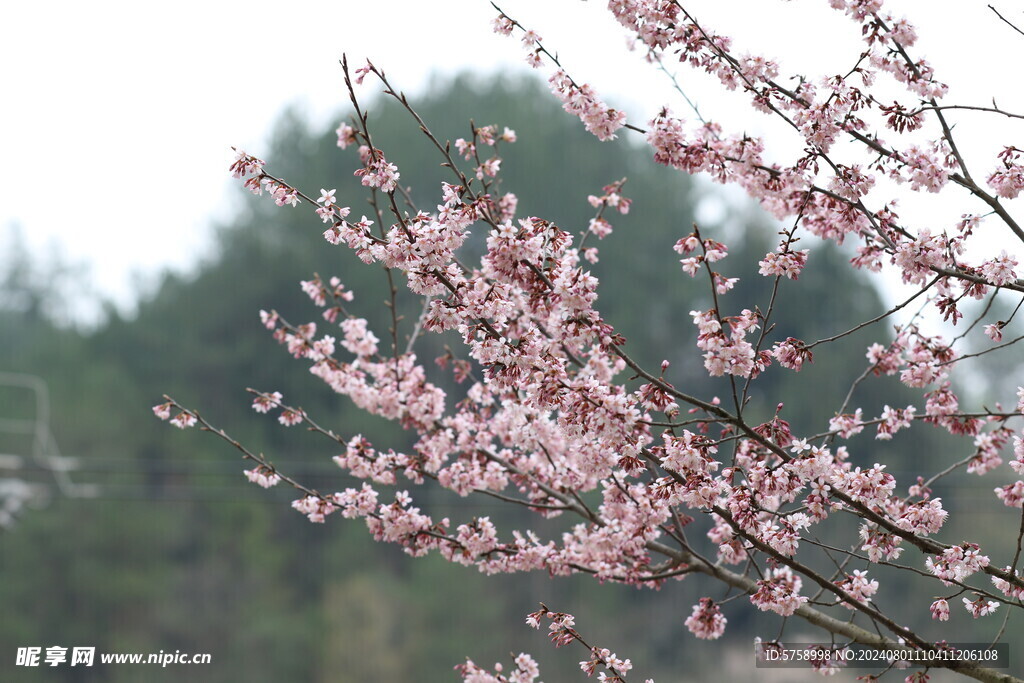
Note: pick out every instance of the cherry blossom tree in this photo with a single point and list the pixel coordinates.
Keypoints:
(554, 415)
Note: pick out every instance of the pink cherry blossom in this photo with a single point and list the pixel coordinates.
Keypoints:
(980, 607)
(263, 403)
(184, 420)
(263, 476)
(940, 610)
(707, 621)
(1013, 495)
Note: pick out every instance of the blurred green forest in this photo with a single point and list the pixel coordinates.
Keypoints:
(178, 552)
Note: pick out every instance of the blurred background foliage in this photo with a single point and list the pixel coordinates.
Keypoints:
(178, 552)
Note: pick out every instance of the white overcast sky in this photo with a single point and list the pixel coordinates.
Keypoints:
(119, 116)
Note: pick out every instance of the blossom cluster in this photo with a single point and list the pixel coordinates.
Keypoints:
(546, 409)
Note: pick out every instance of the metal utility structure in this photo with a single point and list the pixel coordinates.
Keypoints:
(38, 472)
